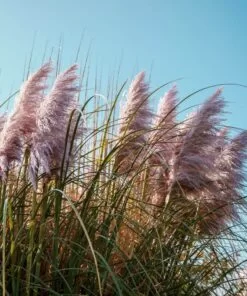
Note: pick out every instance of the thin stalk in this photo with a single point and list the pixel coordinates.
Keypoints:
(12, 247)
(55, 248)
(42, 232)
(30, 252)
(5, 214)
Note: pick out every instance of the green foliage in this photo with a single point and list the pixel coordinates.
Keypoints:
(92, 231)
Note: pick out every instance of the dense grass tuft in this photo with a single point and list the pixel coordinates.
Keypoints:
(93, 204)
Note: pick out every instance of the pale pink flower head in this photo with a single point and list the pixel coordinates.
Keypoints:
(193, 159)
(135, 121)
(10, 144)
(166, 112)
(48, 141)
(30, 98)
(209, 168)
(161, 145)
(163, 137)
(220, 199)
(22, 121)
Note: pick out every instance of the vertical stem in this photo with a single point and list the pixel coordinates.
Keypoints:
(12, 247)
(57, 213)
(5, 207)
(41, 238)
(31, 245)
(21, 206)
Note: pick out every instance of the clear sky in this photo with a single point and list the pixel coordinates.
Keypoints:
(202, 41)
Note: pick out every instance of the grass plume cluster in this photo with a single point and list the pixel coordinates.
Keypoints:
(140, 204)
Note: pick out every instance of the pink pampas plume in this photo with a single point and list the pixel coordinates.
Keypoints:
(161, 144)
(219, 206)
(30, 98)
(163, 137)
(194, 172)
(166, 113)
(208, 169)
(193, 160)
(21, 123)
(230, 165)
(48, 141)
(135, 121)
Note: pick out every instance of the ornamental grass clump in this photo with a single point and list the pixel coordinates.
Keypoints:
(193, 172)
(143, 204)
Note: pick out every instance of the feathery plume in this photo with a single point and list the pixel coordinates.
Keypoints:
(162, 139)
(166, 112)
(135, 120)
(21, 123)
(208, 168)
(48, 142)
(30, 98)
(161, 144)
(193, 159)
(219, 206)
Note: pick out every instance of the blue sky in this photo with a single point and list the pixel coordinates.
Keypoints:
(204, 42)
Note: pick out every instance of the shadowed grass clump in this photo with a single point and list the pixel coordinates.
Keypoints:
(140, 205)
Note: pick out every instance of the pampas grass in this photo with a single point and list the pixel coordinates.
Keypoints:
(52, 119)
(22, 122)
(135, 119)
(150, 205)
